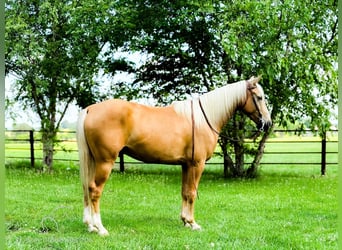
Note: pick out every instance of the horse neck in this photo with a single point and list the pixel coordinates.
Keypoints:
(220, 104)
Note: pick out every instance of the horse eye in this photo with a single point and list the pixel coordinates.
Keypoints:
(259, 98)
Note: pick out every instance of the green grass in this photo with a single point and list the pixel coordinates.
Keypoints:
(285, 208)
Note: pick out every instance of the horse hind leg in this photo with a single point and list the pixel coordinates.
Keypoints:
(91, 215)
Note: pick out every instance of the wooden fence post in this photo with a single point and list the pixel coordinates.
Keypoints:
(32, 147)
(323, 153)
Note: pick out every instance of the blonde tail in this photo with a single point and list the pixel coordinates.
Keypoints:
(87, 164)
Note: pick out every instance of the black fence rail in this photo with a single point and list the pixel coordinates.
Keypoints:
(27, 144)
(285, 147)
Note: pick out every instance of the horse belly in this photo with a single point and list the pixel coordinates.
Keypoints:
(166, 149)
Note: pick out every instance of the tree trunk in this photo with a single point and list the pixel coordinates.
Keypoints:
(239, 124)
(233, 136)
(48, 138)
(253, 169)
(228, 164)
(238, 170)
(49, 132)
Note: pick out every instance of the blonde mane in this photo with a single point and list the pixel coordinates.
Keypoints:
(218, 104)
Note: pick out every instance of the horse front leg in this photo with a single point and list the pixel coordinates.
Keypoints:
(191, 175)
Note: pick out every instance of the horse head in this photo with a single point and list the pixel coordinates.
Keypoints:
(255, 105)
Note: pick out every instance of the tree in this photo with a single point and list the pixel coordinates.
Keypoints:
(293, 44)
(180, 47)
(53, 48)
(198, 46)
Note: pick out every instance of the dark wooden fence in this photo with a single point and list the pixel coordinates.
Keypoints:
(26, 145)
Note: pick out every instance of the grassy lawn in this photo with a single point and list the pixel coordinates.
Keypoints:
(285, 208)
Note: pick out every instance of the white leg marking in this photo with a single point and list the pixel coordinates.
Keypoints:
(98, 224)
(94, 222)
(187, 218)
(87, 215)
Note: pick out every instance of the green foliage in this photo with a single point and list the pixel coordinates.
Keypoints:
(53, 48)
(184, 51)
(294, 48)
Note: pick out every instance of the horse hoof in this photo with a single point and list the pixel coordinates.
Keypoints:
(187, 224)
(103, 233)
(193, 226)
(92, 229)
(196, 227)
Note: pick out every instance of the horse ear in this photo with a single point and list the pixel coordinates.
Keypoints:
(253, 81)
(258, 78)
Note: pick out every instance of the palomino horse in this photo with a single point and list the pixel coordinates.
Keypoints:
(184, 133)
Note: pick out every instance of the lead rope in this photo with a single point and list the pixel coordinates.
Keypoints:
(193, 131)
(193, 145)
(206, 118)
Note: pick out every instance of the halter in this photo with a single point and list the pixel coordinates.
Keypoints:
(250, 87)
